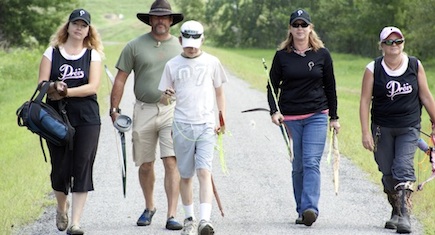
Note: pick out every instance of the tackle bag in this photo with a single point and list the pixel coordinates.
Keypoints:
(43, 120)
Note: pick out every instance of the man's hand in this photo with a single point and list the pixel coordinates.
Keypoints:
(168, 96)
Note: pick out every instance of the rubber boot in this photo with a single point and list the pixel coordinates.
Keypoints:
(405, 192)
(393, 199)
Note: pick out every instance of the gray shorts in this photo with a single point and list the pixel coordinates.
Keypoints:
(194, 147)
(151, 124)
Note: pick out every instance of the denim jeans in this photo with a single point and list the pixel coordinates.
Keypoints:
(309, 136)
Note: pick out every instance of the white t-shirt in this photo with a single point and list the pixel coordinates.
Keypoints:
(194, 81)
(95, 56)
(394, 73)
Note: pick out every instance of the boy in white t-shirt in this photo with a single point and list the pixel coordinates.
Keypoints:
(195, 79)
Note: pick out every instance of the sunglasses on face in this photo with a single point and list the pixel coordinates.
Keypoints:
(296, 25)
(194, 36)
(390, 42)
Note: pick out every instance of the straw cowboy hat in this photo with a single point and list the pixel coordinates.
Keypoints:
(160, 8)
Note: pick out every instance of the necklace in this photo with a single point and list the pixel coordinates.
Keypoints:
(392, 67)
(301, 52)
(73, 51)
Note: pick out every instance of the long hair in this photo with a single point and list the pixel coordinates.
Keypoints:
(92, 41)
(313, 40)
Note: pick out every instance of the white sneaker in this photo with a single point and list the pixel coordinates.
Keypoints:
(205, 228)
(189, 227)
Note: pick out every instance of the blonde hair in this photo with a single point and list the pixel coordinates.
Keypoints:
(92, 41)
(313, 40)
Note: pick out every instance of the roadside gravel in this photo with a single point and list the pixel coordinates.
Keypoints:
(256, 193)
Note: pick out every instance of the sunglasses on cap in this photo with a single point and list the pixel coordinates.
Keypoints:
(194, 36)
(296, 25)
(390, 42)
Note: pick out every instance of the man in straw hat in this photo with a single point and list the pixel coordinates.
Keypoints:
(146, 56)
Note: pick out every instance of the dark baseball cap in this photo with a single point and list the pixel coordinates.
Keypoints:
(300, 14)
(80, 14)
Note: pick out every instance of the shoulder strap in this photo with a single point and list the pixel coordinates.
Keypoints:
(377, 65)
(62, 110)
(43, 88)
(42, 147)
(413, 63)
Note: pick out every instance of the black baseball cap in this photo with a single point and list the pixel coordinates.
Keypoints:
(300, 14)
(80, 14)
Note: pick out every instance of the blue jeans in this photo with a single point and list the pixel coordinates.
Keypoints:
(309, 136)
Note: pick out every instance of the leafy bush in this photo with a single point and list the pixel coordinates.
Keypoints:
(30, 23)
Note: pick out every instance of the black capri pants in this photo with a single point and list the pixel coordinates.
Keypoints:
(73, 169)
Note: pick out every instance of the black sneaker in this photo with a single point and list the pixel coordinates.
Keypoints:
(172, 224)
(146, 217)
(309, 217)
(299, 220)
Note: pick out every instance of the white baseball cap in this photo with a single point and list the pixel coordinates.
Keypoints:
(389, 30)
(192, 34)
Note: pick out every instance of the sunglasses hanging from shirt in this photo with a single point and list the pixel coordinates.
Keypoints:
(390, 42)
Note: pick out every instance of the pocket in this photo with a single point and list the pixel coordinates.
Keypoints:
(182, 130)
(53, 125)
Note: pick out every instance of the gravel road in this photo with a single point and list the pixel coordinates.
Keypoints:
(256, 193)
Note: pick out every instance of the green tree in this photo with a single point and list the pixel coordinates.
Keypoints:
(250, 23)
(192, 9)
(29, 22)
(419, 30)
(353, 26)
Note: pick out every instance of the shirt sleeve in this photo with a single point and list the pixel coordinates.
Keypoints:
(48, 53)
(371, 66)
(275, 77)
(126, 61)
(220, 76)
(165, 81)
(95, 56)
(330, 84)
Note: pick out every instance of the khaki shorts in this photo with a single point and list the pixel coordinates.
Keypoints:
(152, 123)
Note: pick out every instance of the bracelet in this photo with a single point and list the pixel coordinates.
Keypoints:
(114, 110)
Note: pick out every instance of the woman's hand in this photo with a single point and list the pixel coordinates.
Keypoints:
(277, 118)
(58, 90)
(334, 124)
(367, 141)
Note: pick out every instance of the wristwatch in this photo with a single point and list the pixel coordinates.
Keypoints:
(114, 110)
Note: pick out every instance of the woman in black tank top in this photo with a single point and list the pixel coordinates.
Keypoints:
(395, 86)
(72, 64)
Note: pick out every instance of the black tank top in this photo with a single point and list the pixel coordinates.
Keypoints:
(80, 110)
(395, 99)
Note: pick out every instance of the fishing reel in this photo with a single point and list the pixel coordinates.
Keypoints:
(123, 123)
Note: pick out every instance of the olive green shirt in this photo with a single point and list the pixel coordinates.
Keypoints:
(147, 58)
